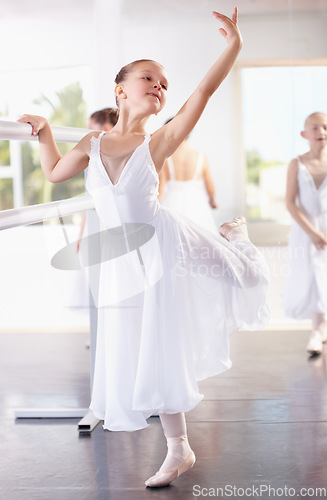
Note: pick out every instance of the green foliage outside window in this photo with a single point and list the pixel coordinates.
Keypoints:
(6, 185)
(68, 111)
(6, 194)
(255, 164)
(256, 168)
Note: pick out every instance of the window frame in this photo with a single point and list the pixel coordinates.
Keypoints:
(267, 233)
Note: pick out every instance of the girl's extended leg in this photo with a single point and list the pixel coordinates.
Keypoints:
(319, 323)
(319, 333)
(179, 457)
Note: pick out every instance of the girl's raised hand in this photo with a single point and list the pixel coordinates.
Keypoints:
(230, 29)
(37, 122)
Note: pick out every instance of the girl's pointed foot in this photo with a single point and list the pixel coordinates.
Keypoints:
(314, 346)
(227, 227)
(166, 477)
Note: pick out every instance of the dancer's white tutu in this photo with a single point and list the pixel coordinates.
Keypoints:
(189, 197)
(306, 283)
(170, 295)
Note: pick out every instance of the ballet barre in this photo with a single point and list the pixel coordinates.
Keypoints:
(23, 132)
(39, 213)
(34, 214)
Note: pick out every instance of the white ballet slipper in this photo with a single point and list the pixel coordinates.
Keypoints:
(226, 229)
(165, 478)
(315, 343)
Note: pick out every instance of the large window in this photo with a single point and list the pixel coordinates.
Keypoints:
(276, 101)
(61, 96)
(47, 298)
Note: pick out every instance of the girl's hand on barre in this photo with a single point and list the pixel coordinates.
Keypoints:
(37, 122)
(230, 29)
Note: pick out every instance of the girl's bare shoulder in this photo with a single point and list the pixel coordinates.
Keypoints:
(293, 165)
(85, 143)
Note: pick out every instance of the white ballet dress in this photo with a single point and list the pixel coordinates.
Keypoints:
(306, 270)
(168, 299)
(189, 197)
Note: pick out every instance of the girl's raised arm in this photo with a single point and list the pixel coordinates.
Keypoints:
(58, 168)
(172, 134)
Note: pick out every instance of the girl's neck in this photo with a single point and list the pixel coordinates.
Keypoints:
(129, 123)
(317, 153)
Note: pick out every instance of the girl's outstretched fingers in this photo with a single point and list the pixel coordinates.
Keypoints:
(235, 14)
(230, 29)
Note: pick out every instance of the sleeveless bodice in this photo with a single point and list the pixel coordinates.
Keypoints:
(134, 197)
(312, 201)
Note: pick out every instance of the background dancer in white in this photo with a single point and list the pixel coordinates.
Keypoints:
(306, 199)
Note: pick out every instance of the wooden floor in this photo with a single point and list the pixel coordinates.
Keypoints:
(261, 431)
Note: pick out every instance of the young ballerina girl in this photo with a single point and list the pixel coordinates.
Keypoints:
(306, 200)
(168, 304)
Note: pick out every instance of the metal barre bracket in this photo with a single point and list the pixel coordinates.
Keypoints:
(86, 425)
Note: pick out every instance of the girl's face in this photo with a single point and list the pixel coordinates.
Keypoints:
(145, 88)
(316, 130)
(94, 125)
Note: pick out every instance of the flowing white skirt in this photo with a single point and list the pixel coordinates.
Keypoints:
(166, 311)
